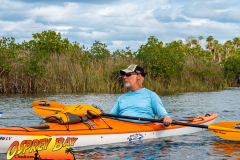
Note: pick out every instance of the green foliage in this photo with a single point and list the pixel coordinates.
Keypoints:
(37, 52)
(165, 61)
(50, 42)
(98, 51)
(117, 68)
(8, 54)
(124, 54)
(183, 67)
(232, 67)
(34, 54)
(33, 60)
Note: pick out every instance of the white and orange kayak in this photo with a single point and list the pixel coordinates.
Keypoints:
(107, 130)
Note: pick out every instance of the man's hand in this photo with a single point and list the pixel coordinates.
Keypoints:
(166, 120)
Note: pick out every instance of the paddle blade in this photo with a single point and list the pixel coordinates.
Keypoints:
(226, 130)
(44, 111)
(46, 108)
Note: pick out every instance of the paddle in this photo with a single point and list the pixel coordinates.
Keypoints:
(226, 130)
(152, 120)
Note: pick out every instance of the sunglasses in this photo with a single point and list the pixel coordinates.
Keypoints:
(129, 74)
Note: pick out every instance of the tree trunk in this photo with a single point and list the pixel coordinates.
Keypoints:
(214, 55)
(219, 57)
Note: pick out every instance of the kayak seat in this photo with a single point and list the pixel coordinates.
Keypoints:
(40, 127)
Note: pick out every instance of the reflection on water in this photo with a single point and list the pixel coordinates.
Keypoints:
(130, 151)
(178, 147)
(17, 111)
(225, 149)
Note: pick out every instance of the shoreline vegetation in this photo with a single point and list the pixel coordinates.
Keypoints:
(49, 63)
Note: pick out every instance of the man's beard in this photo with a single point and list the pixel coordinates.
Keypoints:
(127, 86)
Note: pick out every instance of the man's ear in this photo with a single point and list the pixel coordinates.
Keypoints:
(139, 76)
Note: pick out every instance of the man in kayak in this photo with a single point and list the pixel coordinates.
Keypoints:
(139, 101)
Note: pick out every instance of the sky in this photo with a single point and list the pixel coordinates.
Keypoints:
(121, 23)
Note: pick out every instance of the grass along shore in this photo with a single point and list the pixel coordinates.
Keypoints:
(62, 75)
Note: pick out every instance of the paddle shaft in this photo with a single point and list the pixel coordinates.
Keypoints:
(154, 120)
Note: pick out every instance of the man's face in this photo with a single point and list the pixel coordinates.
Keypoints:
(130, 81)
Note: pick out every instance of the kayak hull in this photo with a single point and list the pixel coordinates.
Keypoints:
(107, 131)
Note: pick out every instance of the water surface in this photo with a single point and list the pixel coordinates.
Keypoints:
(17, 111)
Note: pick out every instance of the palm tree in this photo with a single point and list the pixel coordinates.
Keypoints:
(210, 39)
(189, 41)
(227, 46)
(200, 38)
(219, 49)
(211, 46)
(194, 42)
(236, 43)
(215, 44)
(70, 150)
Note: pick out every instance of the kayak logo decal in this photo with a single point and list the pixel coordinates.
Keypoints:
(237, 126)
(136, 136)
(42, 147)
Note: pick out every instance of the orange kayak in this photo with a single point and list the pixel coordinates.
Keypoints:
(106, 131)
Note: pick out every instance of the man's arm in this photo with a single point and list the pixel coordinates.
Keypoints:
(159, 109)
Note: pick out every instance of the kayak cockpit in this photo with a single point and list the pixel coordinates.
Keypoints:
(41, 127)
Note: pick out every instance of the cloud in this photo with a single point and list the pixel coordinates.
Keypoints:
(14, 17)
(220, 11)
(167, 19)
(12, 11)
(169, 13)
(120, 23)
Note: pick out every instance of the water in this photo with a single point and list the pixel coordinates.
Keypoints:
(17, 111)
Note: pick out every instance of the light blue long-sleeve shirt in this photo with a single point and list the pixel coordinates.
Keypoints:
(141, 103)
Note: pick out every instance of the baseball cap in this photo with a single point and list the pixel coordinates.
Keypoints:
(133, 68)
